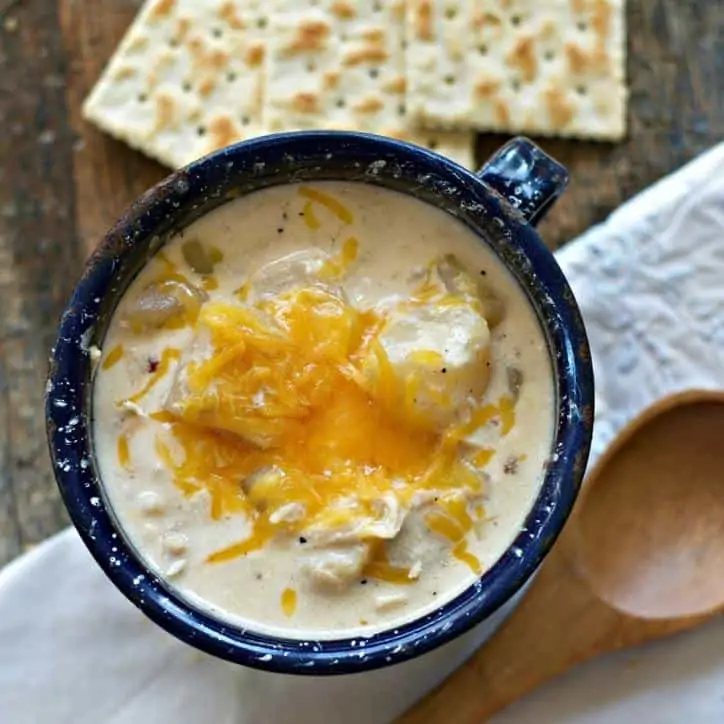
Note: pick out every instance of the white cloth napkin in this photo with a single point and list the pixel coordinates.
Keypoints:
(650, 285)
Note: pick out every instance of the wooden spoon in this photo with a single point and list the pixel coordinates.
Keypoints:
(641, 558)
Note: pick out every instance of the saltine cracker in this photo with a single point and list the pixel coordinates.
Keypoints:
(551, 68)
(187, 78)
(339, 64)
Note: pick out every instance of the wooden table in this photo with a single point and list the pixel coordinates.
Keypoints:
(62, 183)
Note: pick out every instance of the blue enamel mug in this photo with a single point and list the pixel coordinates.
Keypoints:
(501, 204)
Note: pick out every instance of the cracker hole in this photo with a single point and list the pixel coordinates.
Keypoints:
(401, 109)
(581, 90)
(404, 45)
(174, 43)
(217, 32)
(582, 25)
(142, 97)
(483, 49)
(341, 103)
(245, 120)
(311, 66)
(432, 144)
(377, 6)
(186, 87)
(515, 84)
(231, 76)
(549, 55)
(516, 20)
(374, 72)
(451, 13)
(200, 131)
(261, 23)
(449, 79)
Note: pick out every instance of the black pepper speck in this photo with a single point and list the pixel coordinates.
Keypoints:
(280, 230)
(302, 539)
(511, 465)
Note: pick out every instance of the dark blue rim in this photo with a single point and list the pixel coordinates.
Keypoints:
(255, 164)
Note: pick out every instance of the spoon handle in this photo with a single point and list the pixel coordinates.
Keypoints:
(559, 623)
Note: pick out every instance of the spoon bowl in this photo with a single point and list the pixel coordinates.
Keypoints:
(650, 530)
(640, 558)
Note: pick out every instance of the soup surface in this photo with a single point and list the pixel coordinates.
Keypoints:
(323, 410)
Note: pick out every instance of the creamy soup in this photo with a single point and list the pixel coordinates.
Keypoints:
(323, 410)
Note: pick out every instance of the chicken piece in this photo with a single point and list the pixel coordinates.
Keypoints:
(336, 568)
(300, 269)
(339, 552)
(221, 399)
(448, 271)
(437, 352)
(345, 524)
(387, 601)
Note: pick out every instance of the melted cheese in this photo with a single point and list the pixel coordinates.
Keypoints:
(287, 371)
(289, 601)
(329, 202)
(123, 452)
(310, 218)
(113, 357)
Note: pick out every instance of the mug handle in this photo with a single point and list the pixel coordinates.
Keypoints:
(526, 177)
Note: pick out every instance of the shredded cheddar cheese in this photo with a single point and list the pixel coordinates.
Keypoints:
(280, 411)
(329, 202)
(483, 457)
(169, 355)
(289, 601)
(379, 567)
(507, 414)
(286, 372)
(310, 218)
(124, 455)
(454, 523)
(338, 267)
(113, 357)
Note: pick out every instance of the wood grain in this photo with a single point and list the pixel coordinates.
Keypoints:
(640, 559)
(62, 183)
(39, 258)
(107, 174)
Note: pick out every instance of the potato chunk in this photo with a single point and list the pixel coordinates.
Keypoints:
(171, 303)
(437, 353)
(293, 271)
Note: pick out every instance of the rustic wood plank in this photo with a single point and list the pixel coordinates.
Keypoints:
(39, 257)
(108, 175)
